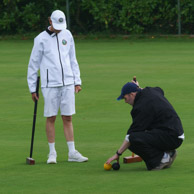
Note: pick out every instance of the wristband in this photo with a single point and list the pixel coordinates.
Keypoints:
(118, 153)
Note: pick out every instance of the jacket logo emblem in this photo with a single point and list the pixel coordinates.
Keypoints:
(64, 42)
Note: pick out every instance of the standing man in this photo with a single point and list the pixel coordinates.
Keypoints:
(54, 54)
(156, 130)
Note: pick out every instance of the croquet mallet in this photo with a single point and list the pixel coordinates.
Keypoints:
(30, 160)
(131, 159)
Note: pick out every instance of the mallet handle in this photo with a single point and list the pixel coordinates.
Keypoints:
(134, 78)
(34, 117)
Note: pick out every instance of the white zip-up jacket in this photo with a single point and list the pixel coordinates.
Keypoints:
(54, 54)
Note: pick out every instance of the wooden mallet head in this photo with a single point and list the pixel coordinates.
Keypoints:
(132, 159)
(30, 161)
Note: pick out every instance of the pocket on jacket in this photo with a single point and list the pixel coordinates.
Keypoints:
(47, 78)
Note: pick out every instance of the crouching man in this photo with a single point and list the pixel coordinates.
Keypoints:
(156, 130)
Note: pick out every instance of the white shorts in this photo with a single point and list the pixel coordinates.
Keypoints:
(59, 97)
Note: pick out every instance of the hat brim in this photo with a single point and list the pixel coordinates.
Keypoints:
(120, 97)
(59, 26)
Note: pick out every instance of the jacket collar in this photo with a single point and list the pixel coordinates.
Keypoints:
(138, 95)
(50, 32)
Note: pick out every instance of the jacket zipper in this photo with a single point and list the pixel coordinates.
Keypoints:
(60, 60)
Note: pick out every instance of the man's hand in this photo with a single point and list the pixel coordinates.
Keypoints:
(123, 147)
(135, 81)
(34, 96)
(77, 89)
(115, 157)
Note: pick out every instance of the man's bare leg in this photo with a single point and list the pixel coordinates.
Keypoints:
(68, 128)
(74, 155)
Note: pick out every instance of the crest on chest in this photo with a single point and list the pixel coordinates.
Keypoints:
(64, 42)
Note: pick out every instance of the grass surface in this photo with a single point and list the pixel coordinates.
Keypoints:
(100, 123)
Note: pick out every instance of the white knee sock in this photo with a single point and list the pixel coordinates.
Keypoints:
(52, 147)
(71, 146)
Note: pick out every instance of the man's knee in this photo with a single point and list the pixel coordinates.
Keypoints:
(51, 119)
(67, 118)
(137, 138)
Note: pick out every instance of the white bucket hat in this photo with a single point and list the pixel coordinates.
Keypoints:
(58, 20)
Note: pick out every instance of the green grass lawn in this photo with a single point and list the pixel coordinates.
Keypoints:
(101, 122)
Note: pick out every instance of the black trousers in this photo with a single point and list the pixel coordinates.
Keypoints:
(151, 145)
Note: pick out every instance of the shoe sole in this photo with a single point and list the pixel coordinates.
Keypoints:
(162, 166)
(52, 162)
(74, 160)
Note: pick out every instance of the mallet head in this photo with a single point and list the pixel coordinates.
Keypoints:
(30, 161)
(131, 159)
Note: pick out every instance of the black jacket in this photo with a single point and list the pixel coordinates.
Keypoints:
(151, 110)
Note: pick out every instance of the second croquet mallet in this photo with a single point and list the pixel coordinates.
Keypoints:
(131, 159)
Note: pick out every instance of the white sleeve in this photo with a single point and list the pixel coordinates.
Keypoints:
(74, 63)
(34, 64)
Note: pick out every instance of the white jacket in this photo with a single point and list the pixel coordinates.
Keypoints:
(54, 54)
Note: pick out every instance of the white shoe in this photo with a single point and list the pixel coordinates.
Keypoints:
(52, 158)
(166, 161)
(76, 157)
(166, 158)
